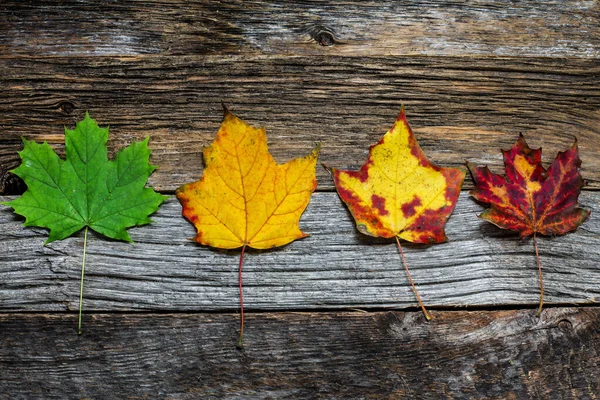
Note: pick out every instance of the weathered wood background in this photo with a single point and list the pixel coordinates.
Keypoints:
(330, 316)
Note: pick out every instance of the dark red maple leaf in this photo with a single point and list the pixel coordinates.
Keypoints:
(530, 199)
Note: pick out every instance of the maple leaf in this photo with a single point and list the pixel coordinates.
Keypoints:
(398, 193)
(245, 199)
(529, 199)
(85, 190)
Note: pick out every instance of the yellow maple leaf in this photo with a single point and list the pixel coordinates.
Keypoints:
(399, 193)
(245, 199)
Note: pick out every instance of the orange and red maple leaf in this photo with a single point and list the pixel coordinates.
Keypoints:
(399, 193)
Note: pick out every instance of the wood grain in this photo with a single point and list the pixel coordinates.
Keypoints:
(461, 108)
(335, 268)
(472, 76)
(349, 355)
(448, 28)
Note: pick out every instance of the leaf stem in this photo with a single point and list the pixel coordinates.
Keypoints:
(240, 343)
(425, 312)
(539, 264)
(79, 331)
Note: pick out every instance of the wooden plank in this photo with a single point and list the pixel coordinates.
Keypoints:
(461, 108)
(336, 267)
(532, 29)
(482, 354)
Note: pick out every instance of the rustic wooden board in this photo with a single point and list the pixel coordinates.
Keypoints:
(455, 28)
(482, 354)
(336, 267)
(461, 108)
(472, 76)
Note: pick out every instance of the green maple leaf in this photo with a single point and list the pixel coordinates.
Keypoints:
(86, 190)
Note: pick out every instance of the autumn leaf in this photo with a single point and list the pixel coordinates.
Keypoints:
(398, 193)
(529, 199)
(86, 190)
(245, 199)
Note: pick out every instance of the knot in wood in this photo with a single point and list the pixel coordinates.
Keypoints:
(10, 184)
(322, 35)
(391, 324)
(565, 325)
(66, 107)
